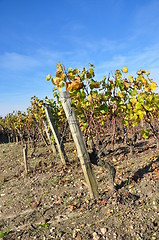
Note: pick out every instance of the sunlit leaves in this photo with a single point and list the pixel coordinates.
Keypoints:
(89, 98)
(145, 133)
(141, 114)
(124, 69)
(147, 73)
(130, 78)
(76, 84)
(48, 77)
(128, 97)
(152, 86)
(132, 92)
(93, 84)
(103, 108)
(120, 94)
(126, 84)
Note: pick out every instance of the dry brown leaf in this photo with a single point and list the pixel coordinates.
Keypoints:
(78, 238)
(71, 207)
(59, 202)
(4, 179)
(35, 204)
(101, 202)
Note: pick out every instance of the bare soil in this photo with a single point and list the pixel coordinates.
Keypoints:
(53, 202)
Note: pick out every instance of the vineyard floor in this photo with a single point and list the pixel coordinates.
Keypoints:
(52, 201)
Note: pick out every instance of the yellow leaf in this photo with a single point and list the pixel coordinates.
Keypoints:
(60, 86)
(89, 98)
(144, 81)
(60, 75)
(133, 100)
(70, 75)
(139, 72)
(48, 77)
(124, 69)
(146, 89)
(60, 89)
(120, 94)
(127, 84)
(56, 81)
(153, 86)
(53, 81)
(75, 85)
(141, 114)
(142, 71)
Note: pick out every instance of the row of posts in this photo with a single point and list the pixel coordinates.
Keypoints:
(78, 140)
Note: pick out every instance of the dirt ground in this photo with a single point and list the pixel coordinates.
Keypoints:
(53, 202)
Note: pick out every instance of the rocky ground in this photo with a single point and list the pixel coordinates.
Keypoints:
(53, 202)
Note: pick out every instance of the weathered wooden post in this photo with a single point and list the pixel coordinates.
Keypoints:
(25, 158)
(49, 138)
(80, 144)
(56, 134)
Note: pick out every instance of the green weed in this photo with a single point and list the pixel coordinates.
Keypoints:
(4, 233)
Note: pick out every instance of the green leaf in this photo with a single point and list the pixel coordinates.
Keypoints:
(140, 98)
(134, 124)
(133, 100)
(93, 84)
(103, 108)
(125, 122)
(141, 114)
(145, 134)
(130, 77)
(132, 92)
(138, 105)
(4, 233)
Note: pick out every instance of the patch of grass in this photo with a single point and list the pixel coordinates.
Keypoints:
(44, 225)
(55, 181)
(45, 194)
(4, 233)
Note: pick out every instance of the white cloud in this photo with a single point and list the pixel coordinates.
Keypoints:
(14, 61)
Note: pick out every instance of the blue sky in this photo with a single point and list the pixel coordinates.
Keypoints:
(36, 34)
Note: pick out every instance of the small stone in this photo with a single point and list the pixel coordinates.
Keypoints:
(103, 231)
(131, 226)
(52, 229)
(154, 203)
(96, 236)
(75, 232)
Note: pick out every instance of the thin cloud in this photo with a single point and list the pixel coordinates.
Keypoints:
(147, 59)
(14, 61)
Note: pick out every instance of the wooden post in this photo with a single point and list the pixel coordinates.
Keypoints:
(49, 138)
(60, 146)
(25, 158)
(80, 144)
(17, 139)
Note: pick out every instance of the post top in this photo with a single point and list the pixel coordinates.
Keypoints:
(64, 94)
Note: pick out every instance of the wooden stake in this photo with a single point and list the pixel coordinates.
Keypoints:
(25, 158)
(49, 138)
(80, 144)
(60, 146)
